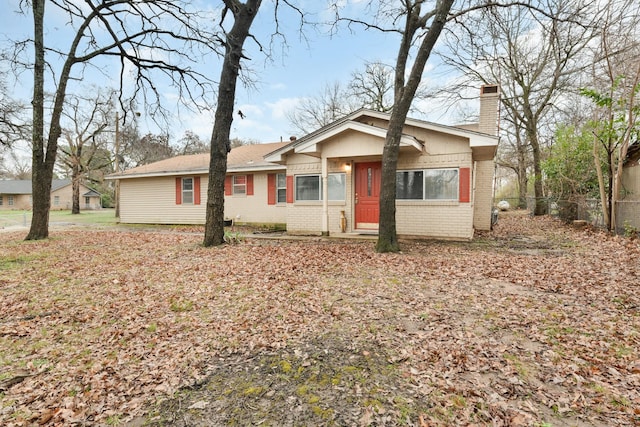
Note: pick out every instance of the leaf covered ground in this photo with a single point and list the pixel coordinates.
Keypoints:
(533, 324)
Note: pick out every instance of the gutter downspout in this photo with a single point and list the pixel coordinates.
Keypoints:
(325, 198)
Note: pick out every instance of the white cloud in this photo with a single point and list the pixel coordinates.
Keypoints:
(281, 107)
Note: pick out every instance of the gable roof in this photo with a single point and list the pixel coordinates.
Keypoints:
(354, 121)
(244, 158)
(23, 186)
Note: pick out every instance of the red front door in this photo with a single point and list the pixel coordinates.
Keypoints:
(367, 196)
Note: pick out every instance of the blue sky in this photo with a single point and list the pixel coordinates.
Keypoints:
(301, 71)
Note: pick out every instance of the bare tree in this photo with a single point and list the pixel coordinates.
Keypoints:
(190, 143)
(87, 118)
(615, 91)
(104, 29)
(242, 15)
(370, 88)
(148, 149)
(419, 26)
(373, 86)
(536, 56)
(14, 125)
(330, 104)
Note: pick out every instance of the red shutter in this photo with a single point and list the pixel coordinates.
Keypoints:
(196, 190)
(465, 185)
(227, 185)
(249, 185)
(289, 188)
(178, 191)
(271, 189)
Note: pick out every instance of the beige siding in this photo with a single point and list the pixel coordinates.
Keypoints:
(152, 201)
(254, 209)
(483, 191)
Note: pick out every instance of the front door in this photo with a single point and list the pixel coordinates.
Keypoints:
(367, 196)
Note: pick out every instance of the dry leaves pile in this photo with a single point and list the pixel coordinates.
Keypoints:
(534, 324)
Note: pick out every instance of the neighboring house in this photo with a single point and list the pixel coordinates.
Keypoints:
(330, 179)
(16, 194)
(628, 213)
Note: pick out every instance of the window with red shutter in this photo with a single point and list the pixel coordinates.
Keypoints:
(289, 188)
(227, 185)
(196, 190)
(178, 191)
(465, 185)
(249, 185)
(271, 189)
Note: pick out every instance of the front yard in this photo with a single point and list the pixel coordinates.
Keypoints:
(534, 324)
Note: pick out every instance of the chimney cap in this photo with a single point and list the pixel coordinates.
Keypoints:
(487, 89)
(292, 138)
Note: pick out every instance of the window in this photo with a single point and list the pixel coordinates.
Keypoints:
(239, 184)
(1, 201)
(308, 187)
(187, 191)
(429, 184)
(281, 188)
(87, 201)
(410, 185)
(337, 186)
(11, 200)
(441, 184)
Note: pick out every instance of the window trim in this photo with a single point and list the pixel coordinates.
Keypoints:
(295, 191)
(235, 185)
(191, 191)
(424, 186)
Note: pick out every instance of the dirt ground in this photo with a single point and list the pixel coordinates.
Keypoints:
(533, 324)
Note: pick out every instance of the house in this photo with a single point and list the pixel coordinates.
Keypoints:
(16, 194)
(328, 182)
(628, 207)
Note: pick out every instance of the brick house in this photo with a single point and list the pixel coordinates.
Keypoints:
(328, 182)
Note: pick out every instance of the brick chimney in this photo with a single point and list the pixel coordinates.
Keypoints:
(489, 109)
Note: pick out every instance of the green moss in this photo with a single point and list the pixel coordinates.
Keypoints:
(254, 390)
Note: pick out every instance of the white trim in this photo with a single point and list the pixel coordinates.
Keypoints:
(275, 168)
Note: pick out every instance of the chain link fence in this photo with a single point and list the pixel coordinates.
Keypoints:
(589, 210)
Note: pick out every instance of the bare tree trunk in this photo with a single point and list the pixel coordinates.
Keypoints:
(603, 193)
(75, 188)
(403, 96)
(541, 205)
(41, 179)
(220, 145)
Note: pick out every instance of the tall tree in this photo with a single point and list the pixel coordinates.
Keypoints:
(104, 28)
(87, 118)
(371, 87)
(148, 149)
(242, 15)
(616, 93)
(536, 54)
(191, 143)
(330, 104)
(419, 25)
